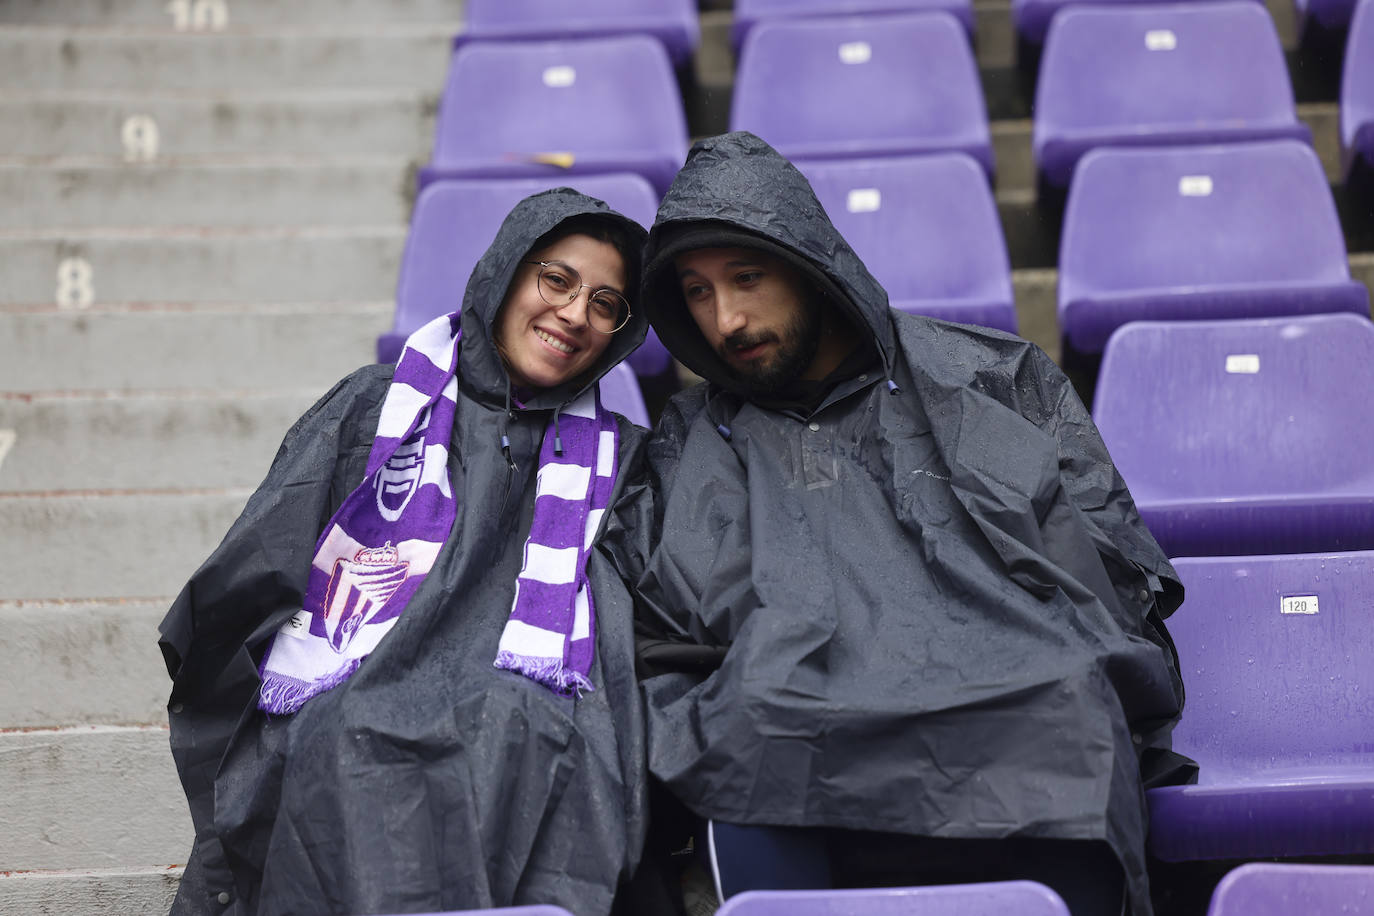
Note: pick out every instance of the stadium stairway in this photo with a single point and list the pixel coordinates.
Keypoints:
(205, 203)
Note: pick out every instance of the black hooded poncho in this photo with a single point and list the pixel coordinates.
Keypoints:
(429, 780)
(935, 609)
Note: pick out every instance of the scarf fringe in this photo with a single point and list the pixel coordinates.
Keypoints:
(551, 672)
(283, 695)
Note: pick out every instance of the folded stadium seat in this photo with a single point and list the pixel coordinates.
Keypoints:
(551, 108)
(673, 22)
(1357, 93)
(750, 12)
(1233, 231)
(620, 392)
(880, 85)
(1147, 75)
(1275, 651)
(453, 223)
(1031, 18)
(1023, 898)
(927, 228)
(1246, 436)
(1281, 889)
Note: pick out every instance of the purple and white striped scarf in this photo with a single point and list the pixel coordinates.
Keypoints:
(385, 536)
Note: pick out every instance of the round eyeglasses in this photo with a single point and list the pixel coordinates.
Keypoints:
(559, 285)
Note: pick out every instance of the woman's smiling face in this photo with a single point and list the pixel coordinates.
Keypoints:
(546, 345)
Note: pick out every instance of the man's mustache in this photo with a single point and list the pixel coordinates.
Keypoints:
(738, 343)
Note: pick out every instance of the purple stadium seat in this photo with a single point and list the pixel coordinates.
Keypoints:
(1235, 231)
(1273, 889)
(880, 85)
(1357, 91)
(927, 228)
(1329, 14)
(748, 13)
(538, 910)
(1031, 18)
(1245, 436)
(1002, 898)
(547, 108)
(673, 22)
(620, 392)
(1147, 75)
(1276, 652)
(455, 221)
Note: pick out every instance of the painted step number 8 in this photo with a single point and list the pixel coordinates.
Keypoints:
(198, 15)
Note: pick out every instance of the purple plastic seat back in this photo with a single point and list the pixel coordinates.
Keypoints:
(1245, 436)
(1329, 14)
(549, 108)
(453, 224)
(1236, 231)
(1271, 889)
(1275, 652)
(927, 229)
(1357, 90)
(856, 86)
(673, 22)
(1155, 75)
(1031, 18)
(1023, 898)
(749, 13)
(620, 392)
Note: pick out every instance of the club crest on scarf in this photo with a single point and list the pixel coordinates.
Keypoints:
(358, 589)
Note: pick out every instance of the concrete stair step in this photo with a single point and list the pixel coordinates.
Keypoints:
(201, 266)
(152, 440)
(109, 544)
(262, 347)
(201, 15)
(93, 797)
(143, 126)
(246, 193)
(68, 663)
(149, 889)
(368, 55)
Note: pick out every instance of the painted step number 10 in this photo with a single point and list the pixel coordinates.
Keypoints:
(198, 15)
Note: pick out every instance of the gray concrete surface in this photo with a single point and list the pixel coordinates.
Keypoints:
(373, 55)
(196, 266)
(82, 194)
(126, 891)
(67, 663)
(266, 347)
(109, 544)
(241, 13)
(91, 797)
(156, 440)
(320, 123)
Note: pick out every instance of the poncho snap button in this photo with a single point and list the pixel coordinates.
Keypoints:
(814, 427)
(177, 707)
(223, 897)
(1143, 594)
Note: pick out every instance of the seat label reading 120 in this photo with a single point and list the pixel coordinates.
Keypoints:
(1299, 604)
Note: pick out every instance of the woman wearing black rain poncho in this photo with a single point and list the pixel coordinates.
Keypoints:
(488, 751)
(899, 617)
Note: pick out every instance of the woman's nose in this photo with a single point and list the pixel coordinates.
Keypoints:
(575, 312)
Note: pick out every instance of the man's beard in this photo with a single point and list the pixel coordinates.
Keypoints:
(797, 347)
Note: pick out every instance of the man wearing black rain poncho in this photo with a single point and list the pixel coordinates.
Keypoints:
(898, 619)
(376, 675)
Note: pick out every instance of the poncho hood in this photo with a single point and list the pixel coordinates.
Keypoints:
(481, 371)
(737, 182)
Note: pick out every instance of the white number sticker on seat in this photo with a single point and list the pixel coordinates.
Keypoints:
(1242, 363)
(1195, 186)
(856, 52)
(560, 77)
(864, 200)
(1160, 40)
(1299, 604)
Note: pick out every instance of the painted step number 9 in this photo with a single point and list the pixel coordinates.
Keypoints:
(74, 286)
(198, 15)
